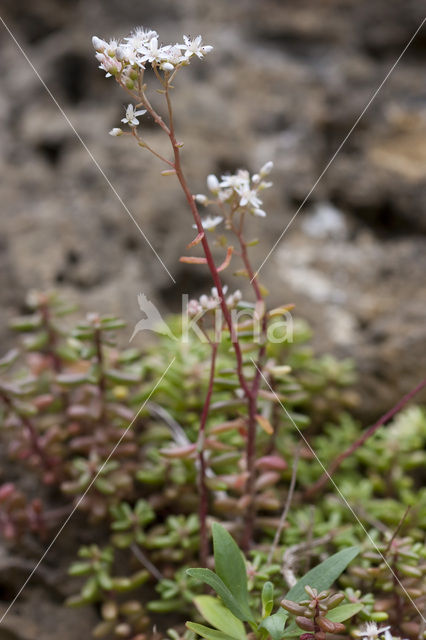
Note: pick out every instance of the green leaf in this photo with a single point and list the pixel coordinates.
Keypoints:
(206, 632)
(220, 617)
(274, 624)
(344, 612)
(267, 599)
(230, 566)
(210, 578)
(322, 576)
(125, 377)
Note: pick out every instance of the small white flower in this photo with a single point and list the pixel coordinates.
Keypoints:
(213, 183)
(151, 52)
(194, 308)
(116, 131)
(131, 114)
(249, 197)
(210, 223)
(112, 66)
(371, 631)
(194, 47)
(139, 37)
(239, 181)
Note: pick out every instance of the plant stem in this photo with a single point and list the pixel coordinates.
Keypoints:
(101, 375)
(202, 471)
(319, 484)
(32, 433)
(250, 515)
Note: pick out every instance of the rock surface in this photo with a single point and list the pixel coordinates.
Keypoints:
(287, 81)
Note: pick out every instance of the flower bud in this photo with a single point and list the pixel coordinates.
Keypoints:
(267, 168)
(213, 183)
(116, 132)
(200, 198)
(98, 44)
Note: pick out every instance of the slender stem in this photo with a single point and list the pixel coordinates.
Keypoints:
(202, 471)
(358, 443)
(51, 337)
(286, 506)
(251, 427)
(32, 433)
(101, 374)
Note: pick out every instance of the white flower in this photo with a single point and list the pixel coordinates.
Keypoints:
(151, 52)
(116, 132)
(131, 114)
(213, 183)
(239, 181)
(249, 197)
(234, 298)
(210, 223)
(194, 47)
(112, 66)
(171, 57)
(139, 37)
(372, 632)
(194, 308)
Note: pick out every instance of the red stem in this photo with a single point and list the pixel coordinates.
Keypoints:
(358, 443)
(203, 504)
(32, 433)
(250, 515)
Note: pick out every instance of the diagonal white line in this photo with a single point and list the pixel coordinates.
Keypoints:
(92, 157)
(340, 493)
(64, 524)
(339, 148)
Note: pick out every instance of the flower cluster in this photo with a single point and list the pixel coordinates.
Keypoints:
(372, 632)
(211, 302)
(239, 190)
(142, 47)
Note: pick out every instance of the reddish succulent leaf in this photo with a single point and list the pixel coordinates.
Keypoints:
(196, 240)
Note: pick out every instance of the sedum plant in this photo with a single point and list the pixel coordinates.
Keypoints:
(163, 459)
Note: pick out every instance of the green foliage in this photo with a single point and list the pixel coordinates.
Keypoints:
(66, 401)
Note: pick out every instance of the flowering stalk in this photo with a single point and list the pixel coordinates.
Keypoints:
(203, 503)
(319, 484)
(127, 61)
